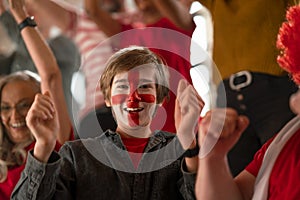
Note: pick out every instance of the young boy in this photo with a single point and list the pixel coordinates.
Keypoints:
(131, 163)
(166, 27)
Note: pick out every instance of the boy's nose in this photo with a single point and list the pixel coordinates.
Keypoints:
(134, 97)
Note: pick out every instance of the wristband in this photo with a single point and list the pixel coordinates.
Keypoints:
(192, 152)
(28, 21)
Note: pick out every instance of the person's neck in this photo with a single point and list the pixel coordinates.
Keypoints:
(138, 132)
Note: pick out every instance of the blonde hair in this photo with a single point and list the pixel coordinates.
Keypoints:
(14, 154)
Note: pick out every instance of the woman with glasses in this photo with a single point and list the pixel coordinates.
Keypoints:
(21, 90)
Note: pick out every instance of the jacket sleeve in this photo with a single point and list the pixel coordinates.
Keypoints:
(38, 180)
(45, 181)
(187, 183)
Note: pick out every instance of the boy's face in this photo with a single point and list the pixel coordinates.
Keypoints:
(133, 97)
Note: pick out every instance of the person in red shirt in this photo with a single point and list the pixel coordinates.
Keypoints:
(274, 172)
(18, 93)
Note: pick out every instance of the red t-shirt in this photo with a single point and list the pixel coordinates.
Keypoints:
(284, 182)
(173, 45)
(135, 148)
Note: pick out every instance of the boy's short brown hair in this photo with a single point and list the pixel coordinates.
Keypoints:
(129, 58)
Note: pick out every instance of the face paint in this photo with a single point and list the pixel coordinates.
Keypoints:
(134, 96)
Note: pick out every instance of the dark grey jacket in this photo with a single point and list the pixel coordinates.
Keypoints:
(101, 168)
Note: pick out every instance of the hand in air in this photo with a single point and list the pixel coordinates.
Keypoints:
(187, 112)
(219, 130)
(42, 120)
(17, 8)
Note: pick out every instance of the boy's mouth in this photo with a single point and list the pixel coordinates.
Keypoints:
(133, 109)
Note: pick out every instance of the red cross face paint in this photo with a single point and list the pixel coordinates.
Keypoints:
(133, 97)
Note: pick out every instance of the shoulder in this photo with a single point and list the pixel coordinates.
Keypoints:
(90, 143)
(256, 163)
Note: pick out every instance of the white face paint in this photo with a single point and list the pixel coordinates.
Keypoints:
(133, 99)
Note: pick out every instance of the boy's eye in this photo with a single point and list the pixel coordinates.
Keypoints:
(122, 87)
(145, 86)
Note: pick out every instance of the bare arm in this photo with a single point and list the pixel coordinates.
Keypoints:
(50, 13)
(214, 179)
(102, 18)
(42, 121)
(176, 12)
(2, 7)
(47, 67)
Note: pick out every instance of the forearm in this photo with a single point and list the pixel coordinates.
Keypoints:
(43, 151)
(49, 72)
(187, 139)
(176, 12)
(40, 53)
(186, 133)
(102, 18)
(214, 180)
(52, 13)
(37, 47)
(38, 180)
(2, 7)
(51, 79)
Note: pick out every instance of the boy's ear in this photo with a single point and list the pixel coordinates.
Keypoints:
(107, 103)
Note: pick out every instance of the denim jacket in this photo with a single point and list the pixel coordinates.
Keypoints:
(101, 168)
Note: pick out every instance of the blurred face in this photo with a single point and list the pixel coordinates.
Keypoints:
(144, 5)
(17, 97)
(133, 98)
(295, 102)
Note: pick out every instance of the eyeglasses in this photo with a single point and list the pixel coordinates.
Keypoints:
(22, 108)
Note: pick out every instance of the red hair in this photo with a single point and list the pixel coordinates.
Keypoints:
(288, 41)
